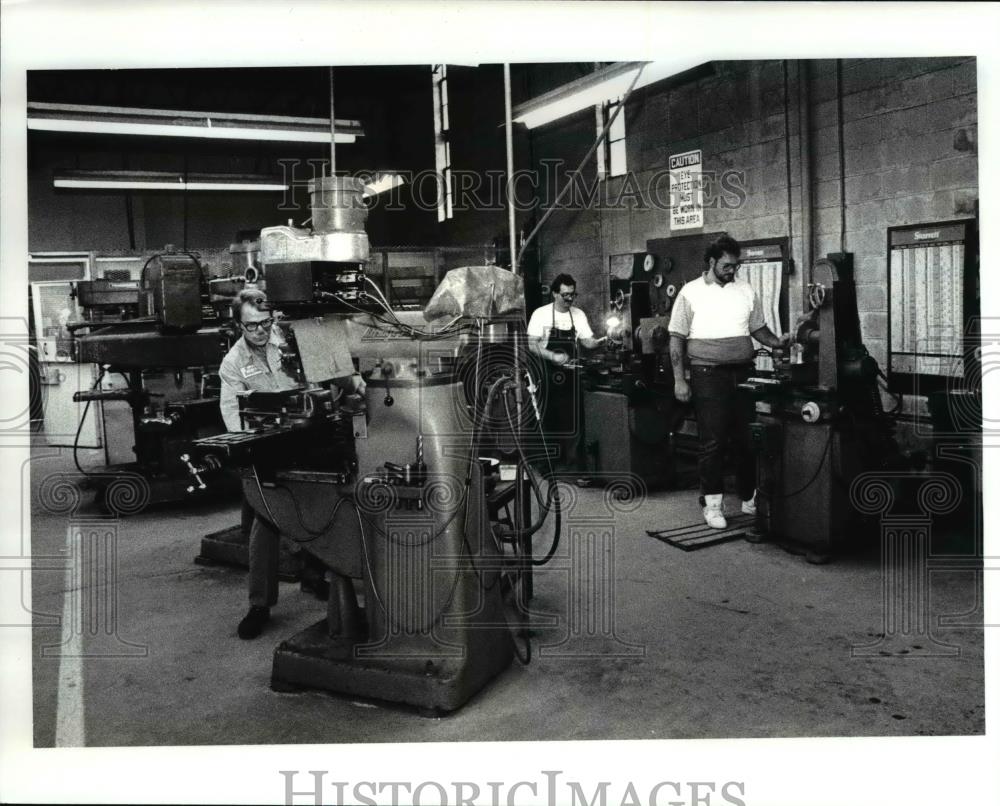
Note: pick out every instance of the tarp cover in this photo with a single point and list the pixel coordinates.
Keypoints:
(478, 292)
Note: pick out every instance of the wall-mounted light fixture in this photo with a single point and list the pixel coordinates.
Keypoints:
(382, 183)
(602, 86)
(177, 123)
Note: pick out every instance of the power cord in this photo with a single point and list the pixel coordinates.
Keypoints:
(79, 428)
(815, 475)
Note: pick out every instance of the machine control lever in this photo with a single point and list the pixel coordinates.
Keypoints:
(127, 395)
(387, 372)
(209, 463)
(162, 419)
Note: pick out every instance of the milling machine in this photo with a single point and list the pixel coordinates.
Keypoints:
(394, 493)
(160, 323)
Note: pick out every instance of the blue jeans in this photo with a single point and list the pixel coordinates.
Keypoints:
(723, 425)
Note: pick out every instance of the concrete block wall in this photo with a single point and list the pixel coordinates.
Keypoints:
(736, 117)
(909, 157)
(910, 136)
(574, 238)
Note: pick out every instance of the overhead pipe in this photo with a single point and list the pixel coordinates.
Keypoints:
(840, 154)
(805, 175)
(579, 170)
(509, 135)
(333, 131)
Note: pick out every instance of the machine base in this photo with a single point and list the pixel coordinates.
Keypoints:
(232, 547)
(812, 554)
(314, 660)
(116, 492)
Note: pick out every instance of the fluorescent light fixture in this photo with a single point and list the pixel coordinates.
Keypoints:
(607, 84)
(382, 183)
(163, 130)
(84, 119)
(110, 184)
(145, 180)
(235, 186)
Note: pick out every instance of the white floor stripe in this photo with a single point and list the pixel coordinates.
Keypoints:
(69, 694)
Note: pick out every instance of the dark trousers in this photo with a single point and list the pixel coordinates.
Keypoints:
(265, 555)
(563, 417)
(265, 546)
(723, 425)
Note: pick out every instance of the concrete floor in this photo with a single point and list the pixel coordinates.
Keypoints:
(737, 640)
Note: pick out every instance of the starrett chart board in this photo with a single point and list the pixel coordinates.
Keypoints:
(931, 304)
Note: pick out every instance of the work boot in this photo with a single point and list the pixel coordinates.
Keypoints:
(713, 511)
(253, 622)
(750, 507)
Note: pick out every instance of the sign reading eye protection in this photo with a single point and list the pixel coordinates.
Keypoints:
(687, 210)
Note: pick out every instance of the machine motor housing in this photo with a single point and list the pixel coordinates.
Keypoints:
(172, 291)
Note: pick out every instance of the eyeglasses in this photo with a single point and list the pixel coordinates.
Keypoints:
(568, 295)
(263, 324)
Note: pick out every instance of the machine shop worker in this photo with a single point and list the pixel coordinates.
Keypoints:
(710, 327)
(254, 364)
(555, 333)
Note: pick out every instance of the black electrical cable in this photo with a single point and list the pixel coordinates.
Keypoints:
(552, 499)
(449, 331)
(79, 428)
(368, 562)
(402, 326)
(438, 533)
(808, 484)
(314, 533)
(534, 484)
(897, 395)
(371, 576)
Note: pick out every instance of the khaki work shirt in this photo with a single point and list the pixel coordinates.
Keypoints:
(245, 369)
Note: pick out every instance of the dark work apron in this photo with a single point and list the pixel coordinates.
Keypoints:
(563, 407)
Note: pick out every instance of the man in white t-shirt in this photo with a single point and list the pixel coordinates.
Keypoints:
(711, 324)
(555, 331)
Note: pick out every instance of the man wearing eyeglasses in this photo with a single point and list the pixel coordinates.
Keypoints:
(555, 332)
(254, 364)
(711, 324)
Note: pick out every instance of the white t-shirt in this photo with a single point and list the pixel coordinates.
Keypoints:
(541, 323)
(717, 320)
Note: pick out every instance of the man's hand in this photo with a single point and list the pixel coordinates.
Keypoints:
(559, 358)
(592, 343)
(682, 391)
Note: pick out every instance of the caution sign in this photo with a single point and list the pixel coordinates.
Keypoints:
(686, 191)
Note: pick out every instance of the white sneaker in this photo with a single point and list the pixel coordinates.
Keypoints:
(750, 507)
(713, 511)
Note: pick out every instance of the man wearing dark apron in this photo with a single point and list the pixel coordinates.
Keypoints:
(555, 333)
